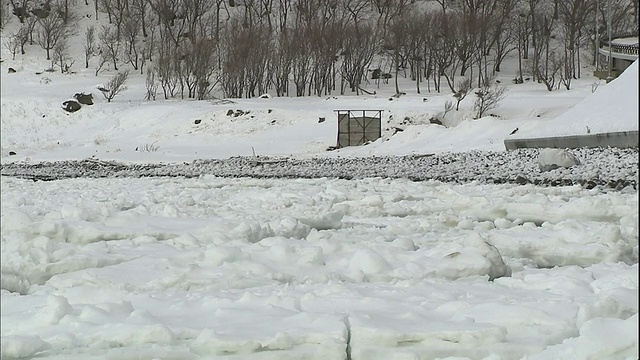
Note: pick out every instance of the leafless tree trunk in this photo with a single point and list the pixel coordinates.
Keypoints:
(90, 45)
(151, 85)
(573, 17)
(130, 31)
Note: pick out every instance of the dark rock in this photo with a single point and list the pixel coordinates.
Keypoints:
(71, 106)
(84, 98)
(11, 153)
(230, 112)
(321, 120)
(198, 121)
(436, 121)
(590, 184)
(12, 70)
(273, 122)
(521, 180)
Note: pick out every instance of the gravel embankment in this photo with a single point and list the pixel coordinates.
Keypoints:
(607, 167)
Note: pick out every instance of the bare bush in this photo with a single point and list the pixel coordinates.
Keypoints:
(148, 147)
(115, 86)
(12, 42)
(488, 97)
(448, 106)
(463, 89)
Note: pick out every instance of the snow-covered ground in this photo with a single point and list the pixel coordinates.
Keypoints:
(35, 128)
(321, 268)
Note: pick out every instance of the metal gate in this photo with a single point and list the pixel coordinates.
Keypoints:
(358, 127)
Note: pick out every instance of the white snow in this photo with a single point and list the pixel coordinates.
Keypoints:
(202, 268)
(613, 107)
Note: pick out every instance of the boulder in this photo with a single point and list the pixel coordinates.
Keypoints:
(550, 159)
(71, 106)
(84, 98)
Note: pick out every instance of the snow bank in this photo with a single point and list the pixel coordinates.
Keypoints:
(613, 107)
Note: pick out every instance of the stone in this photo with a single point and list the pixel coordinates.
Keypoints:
(12, 70)
(84, 98)
(521, 180)
(71, 106)
(550, 159)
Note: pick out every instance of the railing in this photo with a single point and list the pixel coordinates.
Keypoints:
(621, 49)
(627, 49)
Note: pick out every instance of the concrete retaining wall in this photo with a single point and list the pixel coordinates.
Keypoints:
(621, 139)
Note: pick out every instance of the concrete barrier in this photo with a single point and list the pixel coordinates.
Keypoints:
(622, 139)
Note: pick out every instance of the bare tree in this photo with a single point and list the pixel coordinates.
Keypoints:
(388, 10)
(20, 8)
(110, 46)
(61, 56)
(488, 97)
(417, 39)
(5, 13)
(553, 75)
(360, 45)
(504, 32)
(12, 42)
(52, 30)
(101, 63)
(151, 83)
(204, 67)
(115, 86)
(396, 45)
(130, 30)
(573, 17)
(90, 45)
(29, 28)
(64, 8)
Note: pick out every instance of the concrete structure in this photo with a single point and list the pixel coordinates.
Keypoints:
(621, 139)
(624, 51)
